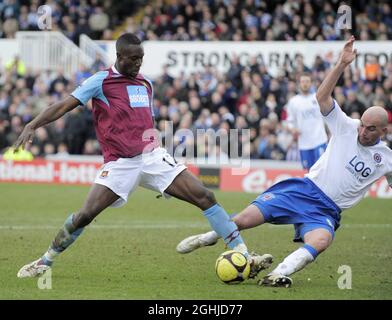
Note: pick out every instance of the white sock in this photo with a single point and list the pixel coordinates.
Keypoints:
(212, 236)
(294, 262)
(242, 248)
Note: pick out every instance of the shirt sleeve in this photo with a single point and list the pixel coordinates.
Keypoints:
(90, 88)
(291, 116)
(338, 122)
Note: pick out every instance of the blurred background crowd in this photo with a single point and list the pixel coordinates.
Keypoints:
(244, 20)
(246, 97)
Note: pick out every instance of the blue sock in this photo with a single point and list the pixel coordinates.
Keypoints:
(224, 226)
(66, 236)
(311, 250)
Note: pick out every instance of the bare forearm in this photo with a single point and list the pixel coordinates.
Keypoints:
(326, 88)
(324, 92)
(53, 112)
(48, 115)
(328, 85)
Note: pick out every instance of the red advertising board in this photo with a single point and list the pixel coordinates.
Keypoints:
(256, 180)
(42, 171)
(54, 171)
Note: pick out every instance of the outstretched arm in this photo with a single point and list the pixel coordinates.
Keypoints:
(50, 114)
(389, 179)
(326, 88)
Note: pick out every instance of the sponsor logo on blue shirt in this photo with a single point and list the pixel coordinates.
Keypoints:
(358, 168)
(138, 97)
(310, 113)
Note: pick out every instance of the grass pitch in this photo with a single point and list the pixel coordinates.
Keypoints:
(129, 253)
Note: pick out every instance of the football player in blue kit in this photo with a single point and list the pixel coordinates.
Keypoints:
(354, 159)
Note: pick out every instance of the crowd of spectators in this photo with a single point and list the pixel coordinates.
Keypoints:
(249, 20)
(237, 20)
(246, 97)
(96, 18)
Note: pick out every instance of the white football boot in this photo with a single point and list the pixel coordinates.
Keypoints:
(258, 263)
(275, 280)
(33, 269)
(195, 242)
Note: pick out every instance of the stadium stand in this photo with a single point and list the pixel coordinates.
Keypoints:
(247, 96)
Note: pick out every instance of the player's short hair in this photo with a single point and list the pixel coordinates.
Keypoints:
(127, 39)
(306, 74)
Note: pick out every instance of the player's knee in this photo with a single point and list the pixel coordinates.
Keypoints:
(206, 199)
(321, 243)
(242, 221)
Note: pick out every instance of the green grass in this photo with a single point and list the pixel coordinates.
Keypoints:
(129, 253)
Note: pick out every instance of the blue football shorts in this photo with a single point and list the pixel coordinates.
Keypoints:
(310, 157)
(300, 202)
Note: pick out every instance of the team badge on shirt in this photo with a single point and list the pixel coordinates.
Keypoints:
(377, 157)
(138, 97)
(104, 174)
(267, 196)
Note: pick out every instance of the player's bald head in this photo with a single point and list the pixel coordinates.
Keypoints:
(376, 115)
(125, 40)
(374, 122)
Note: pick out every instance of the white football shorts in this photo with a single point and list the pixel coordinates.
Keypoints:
(155, 170)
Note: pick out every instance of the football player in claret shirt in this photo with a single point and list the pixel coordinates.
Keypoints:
(122, 101)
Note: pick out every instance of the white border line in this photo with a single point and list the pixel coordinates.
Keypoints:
(147, 225)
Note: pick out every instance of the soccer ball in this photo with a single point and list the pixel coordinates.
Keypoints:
(232, 267)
